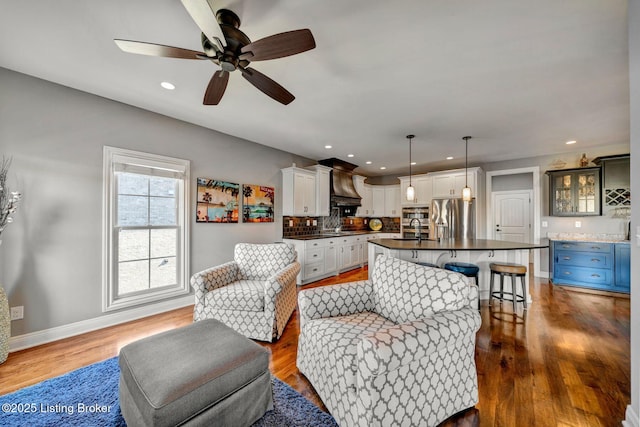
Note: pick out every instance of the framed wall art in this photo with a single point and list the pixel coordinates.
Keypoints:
(217, 201)
(257, 203)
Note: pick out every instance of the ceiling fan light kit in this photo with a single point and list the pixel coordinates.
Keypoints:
(226, 46)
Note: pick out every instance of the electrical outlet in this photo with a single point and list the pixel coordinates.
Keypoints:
(308, 223)
(17, 313)
(315, 222)
(545, 223)
(290, 223)
(351, 221)
(578, 224)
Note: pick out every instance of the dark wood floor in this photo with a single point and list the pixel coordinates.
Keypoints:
(563, 363)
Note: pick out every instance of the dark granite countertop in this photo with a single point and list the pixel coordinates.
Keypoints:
(456, 245)
(328, 235)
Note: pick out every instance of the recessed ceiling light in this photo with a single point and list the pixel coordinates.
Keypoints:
(368, 162)
(570, 142)
(167, 85)
(450, 158)
(383, 167)
(328, 147)
(413, 163)
(349, 155)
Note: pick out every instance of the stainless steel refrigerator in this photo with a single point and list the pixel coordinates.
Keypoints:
(453, 219)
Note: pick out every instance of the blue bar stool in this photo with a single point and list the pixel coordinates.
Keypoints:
(469, 270)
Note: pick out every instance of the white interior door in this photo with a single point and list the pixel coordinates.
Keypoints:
(512, 215)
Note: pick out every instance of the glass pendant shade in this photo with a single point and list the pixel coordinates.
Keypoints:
(411, 193)
(466, 194)
(466, 191)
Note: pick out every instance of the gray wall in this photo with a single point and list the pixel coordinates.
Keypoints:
(50, 257)
(633, 413)
(598, 224)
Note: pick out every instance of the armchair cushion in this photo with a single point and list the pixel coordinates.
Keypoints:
(248, 295)
(337, 339)
(414, 292)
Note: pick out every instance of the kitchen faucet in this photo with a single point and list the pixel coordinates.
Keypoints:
(418, 233)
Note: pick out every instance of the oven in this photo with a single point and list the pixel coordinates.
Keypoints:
(415, 220)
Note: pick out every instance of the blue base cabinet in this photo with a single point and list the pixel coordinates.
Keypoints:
(594, 265)
(622, 267)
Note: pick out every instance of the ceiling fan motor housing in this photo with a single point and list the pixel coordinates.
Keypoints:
(234, 39)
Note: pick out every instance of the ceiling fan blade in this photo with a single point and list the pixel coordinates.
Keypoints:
(279, 45)
(216, 88)
(152, 49)
(205, 19)
(268, 86)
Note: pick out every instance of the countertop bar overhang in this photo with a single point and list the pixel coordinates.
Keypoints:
(456, 245)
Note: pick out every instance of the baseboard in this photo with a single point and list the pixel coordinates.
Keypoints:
(632, 419)
(33, 339)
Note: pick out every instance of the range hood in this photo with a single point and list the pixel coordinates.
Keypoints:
(342, 191)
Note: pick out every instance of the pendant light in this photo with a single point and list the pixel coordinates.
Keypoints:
(411, 192)
(466, 191)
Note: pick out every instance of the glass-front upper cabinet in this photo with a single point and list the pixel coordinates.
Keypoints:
(574, 192)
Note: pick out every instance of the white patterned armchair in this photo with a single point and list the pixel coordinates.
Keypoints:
(254, 294)
(394, 351)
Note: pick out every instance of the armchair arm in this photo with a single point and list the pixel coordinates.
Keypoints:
(212, 278)
(399, 345)
(335, 300)
(275, 283)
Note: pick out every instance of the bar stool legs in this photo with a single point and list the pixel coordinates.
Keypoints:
(514, 271)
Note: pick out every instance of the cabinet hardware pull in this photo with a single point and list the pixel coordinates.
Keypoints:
(595, 247)
(567, 258)
(315, 255)
(568, 273)
(595, 275)
(566, 246)
(595, 260)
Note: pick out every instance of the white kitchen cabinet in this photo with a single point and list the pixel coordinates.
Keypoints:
(320, 258)
(298, 192)
(392, 206)
(322, 190)
(306, 192)
(331, 256)
(377, 200)
(423, 189)
(450, 183)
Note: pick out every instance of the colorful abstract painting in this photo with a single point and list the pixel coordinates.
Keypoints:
(217, 201)
(257, 203)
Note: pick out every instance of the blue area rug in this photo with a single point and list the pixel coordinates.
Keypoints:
(89, 397)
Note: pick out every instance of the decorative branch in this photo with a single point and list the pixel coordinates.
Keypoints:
(8, 199)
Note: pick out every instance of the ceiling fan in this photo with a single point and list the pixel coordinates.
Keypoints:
(225, 45)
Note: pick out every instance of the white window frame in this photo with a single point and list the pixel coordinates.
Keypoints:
(117, 158)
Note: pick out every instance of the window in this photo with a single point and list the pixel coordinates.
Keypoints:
(145, 228)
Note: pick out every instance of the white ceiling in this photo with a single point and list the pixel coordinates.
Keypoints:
(521, 77)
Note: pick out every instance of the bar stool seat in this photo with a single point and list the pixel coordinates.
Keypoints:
(428, 264)
(512, 270)
(469, 270)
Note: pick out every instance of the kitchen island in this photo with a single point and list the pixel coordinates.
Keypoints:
(481, 252)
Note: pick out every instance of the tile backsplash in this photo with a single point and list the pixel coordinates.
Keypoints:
(299, 225)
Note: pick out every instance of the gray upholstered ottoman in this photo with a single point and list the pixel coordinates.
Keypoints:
(202, 374)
